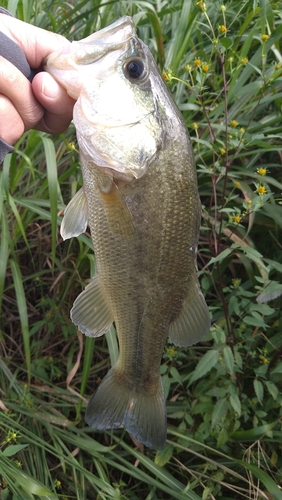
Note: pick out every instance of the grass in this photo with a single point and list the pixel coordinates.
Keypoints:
(223, 64)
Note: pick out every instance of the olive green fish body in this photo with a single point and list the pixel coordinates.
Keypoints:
(141, 201)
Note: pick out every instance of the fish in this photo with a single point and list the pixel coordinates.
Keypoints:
(140, 199)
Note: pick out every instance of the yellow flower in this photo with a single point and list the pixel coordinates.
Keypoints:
(195, 125)
(234, 123)
(205, 68)
(237, 184)
(222, 28)
(202, 6)
(261, 171)
(264, 38)
(197, 63)
(236, 282)
(237, 219)
(222, 151)
(265, 360)
(167, 75)
(244, 60)
(261, 189)
(249, 202)
(188, 67)
(171, 350)
(71, 146)
(277, 66)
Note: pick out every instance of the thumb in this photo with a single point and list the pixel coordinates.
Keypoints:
(55, 100)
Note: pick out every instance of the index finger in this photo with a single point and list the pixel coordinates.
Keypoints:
(36, 43)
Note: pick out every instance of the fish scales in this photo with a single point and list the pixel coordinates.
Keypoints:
(141, 201)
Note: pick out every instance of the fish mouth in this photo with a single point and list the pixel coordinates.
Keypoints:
(93, 47)
(118, 32)
(84, 52)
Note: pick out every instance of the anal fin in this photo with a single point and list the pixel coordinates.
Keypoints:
(90, 311)
(193, 322)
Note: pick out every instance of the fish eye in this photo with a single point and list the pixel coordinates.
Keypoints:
(134, 69)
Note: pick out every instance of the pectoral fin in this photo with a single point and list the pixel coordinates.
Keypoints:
(75, 217)
(90, 311)
(118, 215)
(193, 322)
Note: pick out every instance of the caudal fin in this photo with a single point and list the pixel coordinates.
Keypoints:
(117, 404)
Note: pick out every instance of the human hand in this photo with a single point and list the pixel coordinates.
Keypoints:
(42, 104)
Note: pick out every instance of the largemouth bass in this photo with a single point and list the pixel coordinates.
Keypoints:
(141, 201)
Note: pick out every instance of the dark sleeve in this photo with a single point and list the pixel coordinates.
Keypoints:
(13, 53)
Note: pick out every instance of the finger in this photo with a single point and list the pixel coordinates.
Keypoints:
(15, 86)
(11, 124)
(57, 103)
(36, 43)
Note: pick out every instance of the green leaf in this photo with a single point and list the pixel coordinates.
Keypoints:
(4, 251)
(53, 186)
(206, 493)
(277, 369)
(206, 363)
(251, 320)
(270, 292)
(272, 389)
(22, 306)
(226, 42)
(235, 403)
(228, 358)
(258, 387)
(163, 456)
(220, 409)
(175, 374)
(31, 485)
(13, 449)
(221, 256)
(112, 342)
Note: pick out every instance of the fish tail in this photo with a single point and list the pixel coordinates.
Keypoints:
(117, 403)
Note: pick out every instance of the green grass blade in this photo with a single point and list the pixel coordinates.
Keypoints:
(112, 342)
(4, 251)
(89, 344)
(22, 307)
(53, 187)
